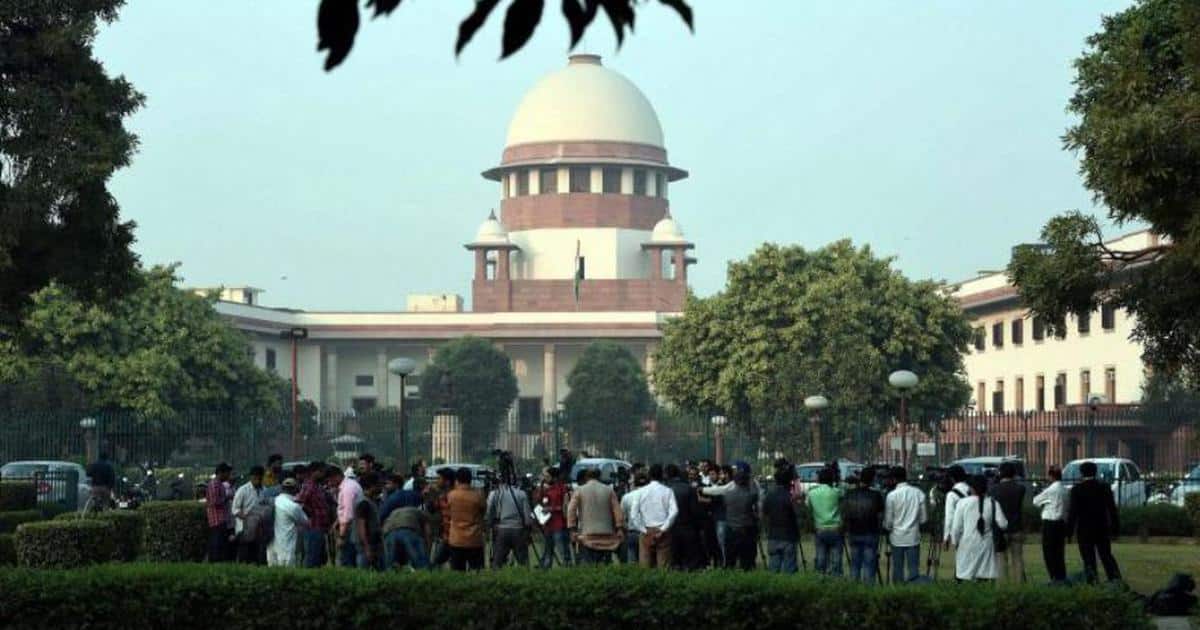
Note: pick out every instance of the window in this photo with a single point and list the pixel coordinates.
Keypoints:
(581, 271)
(529, 415)
(1018, 332)
(1085, 323)
(998, 398)
(1039, 329)
(660, 185)
(270, 358)
(1085, 385)
(980, 336)
(1020, 393)
(998, 335)
(364, 380)
(363, 405)
(547, 181)
(1060, 390)
(639, 181)
(522, 183)
(611, 180)
(1110, 384)
(1108, 317)
(1040, 393)
(581, 179)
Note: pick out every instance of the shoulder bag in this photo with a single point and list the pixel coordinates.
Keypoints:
(999, 538)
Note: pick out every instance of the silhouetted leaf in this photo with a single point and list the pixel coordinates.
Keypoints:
(385, 7)
(578, 17)
(337, 22)
(520, 20)
(681, 7)
(620, 13)
(466, 29)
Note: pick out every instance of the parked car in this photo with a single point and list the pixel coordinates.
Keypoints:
(53, 479)
(1188, 485)
(481, 475)
(610, 469)
(990, 466)
(1129, 489)
(806, 474)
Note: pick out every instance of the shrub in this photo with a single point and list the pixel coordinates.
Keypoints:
(10, 520)
(64, 544)
(129, 528)
(176, 531)
(1191, 503)
(52, 509)
(582, 599)
(8, 552)
(1158, 519)
(17, 495)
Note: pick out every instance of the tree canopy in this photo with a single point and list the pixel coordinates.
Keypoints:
(62, 136)
(1138, 102)
(609, 398)
(338, 21)
(482, 388)
(792, 323)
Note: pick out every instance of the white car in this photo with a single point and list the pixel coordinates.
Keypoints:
(1129, 489)
(806, 474)
(610, 469)
(480, 474)
(1188, 485)
(52, 478)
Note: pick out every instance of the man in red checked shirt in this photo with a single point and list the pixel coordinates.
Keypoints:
(217, 507)
(551, 499)
(317, 507)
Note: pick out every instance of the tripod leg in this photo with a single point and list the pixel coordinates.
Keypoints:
(803, 560)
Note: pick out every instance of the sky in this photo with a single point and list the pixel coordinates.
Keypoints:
(927, 129)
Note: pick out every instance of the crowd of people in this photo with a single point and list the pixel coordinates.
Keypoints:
(688, 517)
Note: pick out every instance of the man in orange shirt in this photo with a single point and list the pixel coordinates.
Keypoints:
(466, 508)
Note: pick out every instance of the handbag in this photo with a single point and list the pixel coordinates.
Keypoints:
(999, 538)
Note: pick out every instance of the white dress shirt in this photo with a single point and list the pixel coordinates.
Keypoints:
(627, 504)
(655, 507)
(952, 500)
(243, 501)
(903, 514)
(1053, 501)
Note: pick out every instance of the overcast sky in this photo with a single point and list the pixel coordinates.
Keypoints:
(927, 129)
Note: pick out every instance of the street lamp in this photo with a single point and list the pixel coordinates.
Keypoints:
(815, 404)
(295, 334)
(1094, 402)
(903, 380)
(402, 367)
(719, 423)
(90, 443)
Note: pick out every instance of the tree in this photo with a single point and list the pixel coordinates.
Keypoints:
(61, 137)
(608, 398)
(482, 388)
(793, 323)
(159, 351)
(338, 21)
(1138, 104)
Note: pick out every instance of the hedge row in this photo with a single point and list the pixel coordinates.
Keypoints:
(176, 531)
(231, 596)
(1191, 503)
(65, 544)
(17, 495)
(129, 527)
(8, 550)
(10, 520)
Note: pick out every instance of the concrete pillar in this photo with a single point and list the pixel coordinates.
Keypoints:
(447, 438)
(535, 181)
(681, 264)
(480, 264)
(331, 379)
(549, 380)
(502, 262)
(381, 377)
(651, 183)
(655, 263)
(597, 184)
(564, 179)
(627, 181)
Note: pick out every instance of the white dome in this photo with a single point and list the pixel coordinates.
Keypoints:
(667, 230)
(491, 231)
(585, 101)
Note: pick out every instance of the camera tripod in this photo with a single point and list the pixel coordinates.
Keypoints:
(933, 561)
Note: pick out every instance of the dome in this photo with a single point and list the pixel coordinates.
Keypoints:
(667, 230)
(491, 231)
(585, 102)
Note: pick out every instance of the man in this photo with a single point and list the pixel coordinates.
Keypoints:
(439, 522)
(706, 472)
(103, 478)
(315, 502)
(741, 515)
(244, 501)
(465, 507)
(904, 513)
(958, 491)
(686, 551)
(633, 527)
(655, 511)
(366, 464)
(1092, 514)
(595, 520)
(348, 493)
(290, 520)
(508, 517)
(862, 512)
(1053, 501)
(556, 540)
(367, 530)
(405, 531)
(824, 503)
(274, 473)
(418, 472)
(783, 533)
(217, 500)
(1010, 494)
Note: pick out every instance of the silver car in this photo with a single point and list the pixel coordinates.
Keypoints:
(51, 478)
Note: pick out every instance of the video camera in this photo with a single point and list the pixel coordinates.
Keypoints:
(506, 467)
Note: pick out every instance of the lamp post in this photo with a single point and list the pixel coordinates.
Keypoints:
(295, 334)
(1094, 401)
(90, 443)
(815, 404)
(981, 438)
(903, 380)
(719, 423)
(402, 367)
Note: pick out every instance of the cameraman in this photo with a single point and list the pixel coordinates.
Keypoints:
(508, 517)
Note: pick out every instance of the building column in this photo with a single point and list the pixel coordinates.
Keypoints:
(502, 261)
(549, 380)
(681, 264)
(331, 378)
(381, 377)
(655, 263)
(481, 264)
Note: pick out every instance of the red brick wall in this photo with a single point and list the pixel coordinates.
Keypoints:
(594, 295)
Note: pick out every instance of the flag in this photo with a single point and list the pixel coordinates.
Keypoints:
(578, 272)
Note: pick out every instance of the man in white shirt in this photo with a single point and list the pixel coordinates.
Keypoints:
(290, 519)
(633, 528)
(903, 514)
(1053, 501)
(655, 511)
(959, 490)
(244, 500)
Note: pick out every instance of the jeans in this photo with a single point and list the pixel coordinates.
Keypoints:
(903, 557)
(314, 548)
(374, 563)
(1088, 549)
(466, 558)
(218, 544)
(556, 546)
(722, 540)
(631, 547)
(743, 542)
(439, 554)
(828, 557)
(1054, 550)
(507, 540)
(687, 550)
(411, 543)
(864, 557)
(589, 556)
(248, 552)
(347, 554)
(781, 556)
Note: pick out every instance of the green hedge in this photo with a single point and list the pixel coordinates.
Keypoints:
(129, 529)
(233, 596)
(10, 520)
(1191, 503)
(176, 531)
(1159, 519)
(64, 544)
(8, 550)
(17, 495)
